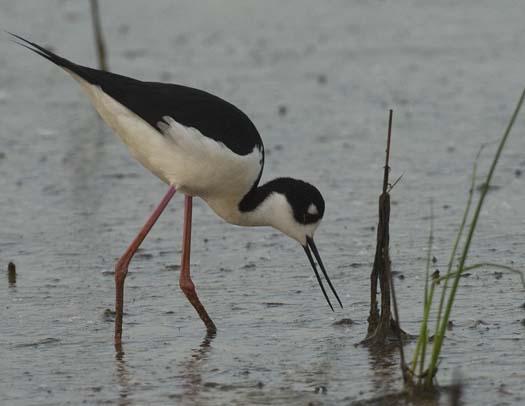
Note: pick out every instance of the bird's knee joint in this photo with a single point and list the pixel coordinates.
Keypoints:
(187, 286)
(121, 270)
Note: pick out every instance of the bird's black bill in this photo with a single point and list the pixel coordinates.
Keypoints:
(311, 244)
(309, 255)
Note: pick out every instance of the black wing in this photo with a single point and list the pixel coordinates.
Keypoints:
(212, 116)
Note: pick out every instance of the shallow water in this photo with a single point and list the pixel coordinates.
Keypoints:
(72, 199)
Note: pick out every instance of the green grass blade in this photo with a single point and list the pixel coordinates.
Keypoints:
(466, 247)
(419, 354)
(456, 245)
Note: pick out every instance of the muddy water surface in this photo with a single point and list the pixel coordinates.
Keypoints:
(317, 79)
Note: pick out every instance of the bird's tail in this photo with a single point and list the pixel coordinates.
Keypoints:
(50, 56)
(92, 76)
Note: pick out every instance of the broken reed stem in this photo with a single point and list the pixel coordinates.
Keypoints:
(387, 268)
(398, 326)
(387, 160)
(438, 342)
(374, 318)
(99, 40)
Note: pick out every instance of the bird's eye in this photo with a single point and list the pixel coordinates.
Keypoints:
(312, 209)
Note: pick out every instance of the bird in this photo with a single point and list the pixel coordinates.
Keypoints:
(202, 146)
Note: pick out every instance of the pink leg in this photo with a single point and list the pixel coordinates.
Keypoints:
(121, 268)
(185, 282)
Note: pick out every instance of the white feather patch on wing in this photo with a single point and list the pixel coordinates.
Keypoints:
(217, 169)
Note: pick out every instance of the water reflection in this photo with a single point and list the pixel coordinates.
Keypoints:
(123, 379)
(388, 381)
(192, 369)
(386, 375)
(190, 376)
(85, 161)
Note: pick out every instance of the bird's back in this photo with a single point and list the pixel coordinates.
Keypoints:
(213, 116)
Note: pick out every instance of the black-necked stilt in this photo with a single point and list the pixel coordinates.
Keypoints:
(202, 146)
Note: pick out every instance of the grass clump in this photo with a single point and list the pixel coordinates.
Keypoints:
(422, 372)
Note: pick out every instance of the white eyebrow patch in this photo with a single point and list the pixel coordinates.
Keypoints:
(312, 209)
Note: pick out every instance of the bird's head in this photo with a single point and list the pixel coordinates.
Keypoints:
(296, 208)
(299, 209)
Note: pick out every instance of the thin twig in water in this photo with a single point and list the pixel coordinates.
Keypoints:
(99, 40)
(391, 186)
(387, 160)
(391, 280)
